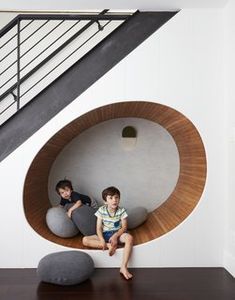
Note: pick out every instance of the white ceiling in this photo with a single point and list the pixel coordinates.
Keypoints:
(143, 5)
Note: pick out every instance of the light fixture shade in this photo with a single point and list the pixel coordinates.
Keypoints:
(129, 132)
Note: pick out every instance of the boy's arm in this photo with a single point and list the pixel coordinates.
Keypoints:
(122, 229)
(62, 203)
(99, 231)
(114, 238)
(75, 206)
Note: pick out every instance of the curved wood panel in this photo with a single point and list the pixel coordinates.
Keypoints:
(171, 213)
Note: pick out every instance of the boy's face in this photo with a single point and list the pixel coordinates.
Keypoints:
(112, 201)
(65, 193)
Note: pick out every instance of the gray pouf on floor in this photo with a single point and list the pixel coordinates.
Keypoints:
(65, 268)
(59, 223)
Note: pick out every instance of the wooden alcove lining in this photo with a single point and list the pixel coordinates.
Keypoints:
(171, 213)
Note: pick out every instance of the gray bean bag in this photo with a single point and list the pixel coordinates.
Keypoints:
(65, 268)
(59, 223)
(136, 217)
(85, 220)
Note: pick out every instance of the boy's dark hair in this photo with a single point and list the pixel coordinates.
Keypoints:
(62, 184)
(110, 191)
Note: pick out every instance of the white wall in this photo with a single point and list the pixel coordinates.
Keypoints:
(164, 5)
(181, 66)
(229, 253)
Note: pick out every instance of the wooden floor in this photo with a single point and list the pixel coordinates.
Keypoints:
(148, 283)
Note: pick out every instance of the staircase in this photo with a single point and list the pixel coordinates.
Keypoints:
(47, 61)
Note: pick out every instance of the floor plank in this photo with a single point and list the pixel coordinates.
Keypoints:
(148, 283)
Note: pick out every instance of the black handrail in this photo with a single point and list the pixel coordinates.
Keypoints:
(9, 26)
(28, 49)
(15, 87)
(45, 49)
(16, 34)
(82, 17)
(49, 57)
(99, 28)
(21, 43)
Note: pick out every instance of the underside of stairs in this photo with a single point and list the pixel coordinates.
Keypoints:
(73, 82)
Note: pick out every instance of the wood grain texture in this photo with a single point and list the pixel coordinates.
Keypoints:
(171, 213)
(106, 283)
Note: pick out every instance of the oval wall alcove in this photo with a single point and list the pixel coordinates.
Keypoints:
(180, 203)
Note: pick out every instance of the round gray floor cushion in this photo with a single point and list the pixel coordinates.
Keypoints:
(59, 223)
(85, 220)
(136, 217)
(65, 268)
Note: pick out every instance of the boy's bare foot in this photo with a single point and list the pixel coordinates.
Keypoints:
(126, 274)
(112, 249)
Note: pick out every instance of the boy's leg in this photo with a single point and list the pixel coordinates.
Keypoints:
(127, 239)
(92, 241)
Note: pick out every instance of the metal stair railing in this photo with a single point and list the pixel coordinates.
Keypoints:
(36, 49)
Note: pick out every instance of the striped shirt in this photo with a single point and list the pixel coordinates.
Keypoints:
(111, 223)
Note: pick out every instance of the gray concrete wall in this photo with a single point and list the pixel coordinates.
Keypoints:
(146, 174)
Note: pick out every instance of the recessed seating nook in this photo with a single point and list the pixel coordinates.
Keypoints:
(180, 198)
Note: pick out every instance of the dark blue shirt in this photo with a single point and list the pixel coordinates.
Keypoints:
(76, 197)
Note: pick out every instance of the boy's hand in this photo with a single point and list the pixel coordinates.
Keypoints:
(113, 240)
(69, 213)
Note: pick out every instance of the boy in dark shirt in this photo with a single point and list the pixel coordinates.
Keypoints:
(65, 190)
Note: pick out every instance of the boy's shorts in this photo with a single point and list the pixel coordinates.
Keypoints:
(107, 235)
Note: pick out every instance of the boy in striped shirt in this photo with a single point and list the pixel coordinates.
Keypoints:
(111, 228)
